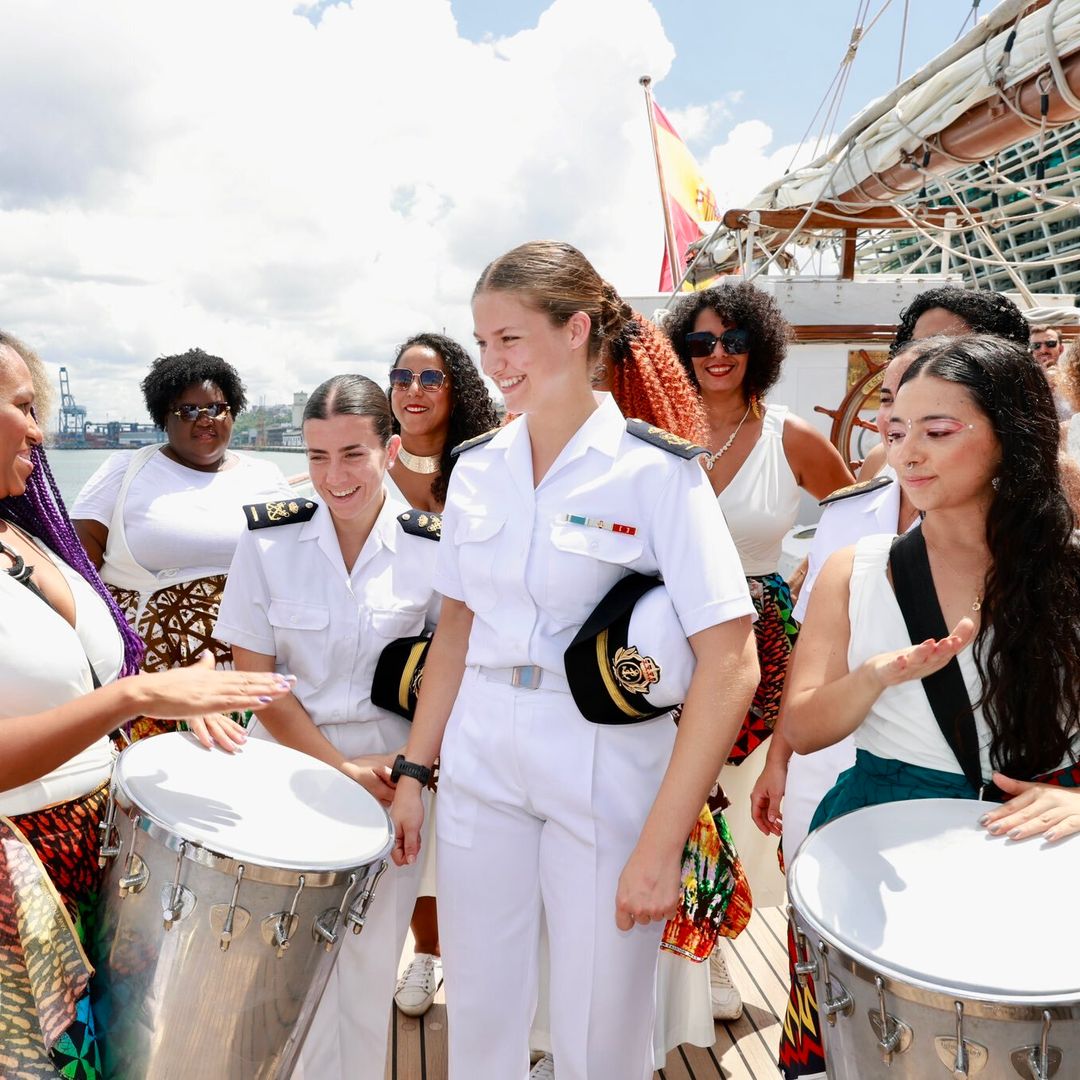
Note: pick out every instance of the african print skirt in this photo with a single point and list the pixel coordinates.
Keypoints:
(176, 624)
(49, 888)
(774, 633)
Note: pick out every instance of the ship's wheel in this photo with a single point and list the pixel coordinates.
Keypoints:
(848, 427)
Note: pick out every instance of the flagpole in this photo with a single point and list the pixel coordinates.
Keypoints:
(669, 229)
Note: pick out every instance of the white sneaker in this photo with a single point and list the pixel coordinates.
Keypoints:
(418, 985)
(726, 1002)
(544, 1069)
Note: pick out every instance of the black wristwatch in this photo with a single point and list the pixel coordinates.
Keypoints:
(410, 768)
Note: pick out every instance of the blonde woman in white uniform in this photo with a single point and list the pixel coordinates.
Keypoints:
(538, 807)
(320, 593)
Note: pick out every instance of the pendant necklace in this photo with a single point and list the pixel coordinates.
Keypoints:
(419, 464)
(712, 459)
(976, 604)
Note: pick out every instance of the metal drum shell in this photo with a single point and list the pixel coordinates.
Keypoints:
(999, 1024)
(172, 1003)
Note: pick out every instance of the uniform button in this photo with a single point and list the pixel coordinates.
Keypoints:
(293, 619)
(336, 714)
(593, 545)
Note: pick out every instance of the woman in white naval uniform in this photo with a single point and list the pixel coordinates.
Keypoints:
(538, 807)
(320, 596)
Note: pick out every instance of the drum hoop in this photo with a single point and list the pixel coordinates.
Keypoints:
(988, 1006)
(197, 852)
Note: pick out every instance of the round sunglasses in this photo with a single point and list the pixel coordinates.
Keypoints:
(215, 410)
(430, 378)
(702, 342)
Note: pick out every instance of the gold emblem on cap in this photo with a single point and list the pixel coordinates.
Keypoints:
(633, 672)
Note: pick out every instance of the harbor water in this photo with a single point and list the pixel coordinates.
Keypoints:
(72, 468)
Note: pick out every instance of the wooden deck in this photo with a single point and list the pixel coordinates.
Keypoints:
(745, 1048)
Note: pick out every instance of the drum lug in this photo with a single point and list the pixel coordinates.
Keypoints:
(843, 1002)
(278, 929)
(110, 835)
(324, 928)
(1038, 1062)
(176, 901)
(229, 920)
(960, 1056)
(358, 911)
(893, 1035)
(136, 877)
(804, 968)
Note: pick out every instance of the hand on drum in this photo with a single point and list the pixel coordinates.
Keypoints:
(918, 661)
(219, 729)
(648, 890)
(767, 795)
(1045, 810)
(407, 812)
(373, 774)
(200, 691)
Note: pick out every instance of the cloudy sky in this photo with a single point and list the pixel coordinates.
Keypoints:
(297, 187)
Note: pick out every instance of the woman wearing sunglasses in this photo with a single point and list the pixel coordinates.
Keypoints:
(438, 400)
(161, 523)
(732, 340)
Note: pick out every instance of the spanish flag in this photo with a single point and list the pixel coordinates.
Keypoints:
(691, 203)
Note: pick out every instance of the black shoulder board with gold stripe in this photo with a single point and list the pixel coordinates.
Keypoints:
(476, 440)
(674, 444)
(422, 523)
(280, 512)
(861, 488)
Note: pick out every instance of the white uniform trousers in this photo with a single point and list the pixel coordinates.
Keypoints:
(810, 778)
(348, 1035)
(538, 806)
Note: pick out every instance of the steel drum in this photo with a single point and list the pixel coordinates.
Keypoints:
(231, 881)
(937, 949)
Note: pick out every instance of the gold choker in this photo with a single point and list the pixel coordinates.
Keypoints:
(418, 464)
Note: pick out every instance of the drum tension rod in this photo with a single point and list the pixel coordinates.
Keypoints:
(358, 912)
(227, 929)
(1042, 1061)
(136, 874)
(174, 908)
(286, 922)
(893, 1035)
(805, 967)
(843, 1002)
(325, 933)
(110, 847)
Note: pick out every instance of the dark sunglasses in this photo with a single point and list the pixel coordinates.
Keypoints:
(432, 379)
(215, 410)
(1037, 345)
(703, 342)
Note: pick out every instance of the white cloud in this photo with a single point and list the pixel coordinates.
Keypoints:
(299, 197)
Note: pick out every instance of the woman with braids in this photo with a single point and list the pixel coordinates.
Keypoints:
(161, 523)
(973, 437)
(541, 810)
(63, 647)
(732, 340)
(438, 401)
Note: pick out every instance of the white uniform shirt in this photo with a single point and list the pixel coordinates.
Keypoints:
(289, 596)
(531, 579)
(845, 523)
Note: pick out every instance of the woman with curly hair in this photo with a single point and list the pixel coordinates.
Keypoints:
(973, 437)
(161, 523)
(438, 400)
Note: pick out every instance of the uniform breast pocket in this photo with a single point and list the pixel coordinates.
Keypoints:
(300, 631)
(393, 623)
(584, 564)
(477, 543)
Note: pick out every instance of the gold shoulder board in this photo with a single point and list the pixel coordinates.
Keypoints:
(476, 440)
(422, 523)
(674, 444)
(280, 512)
(861, 488)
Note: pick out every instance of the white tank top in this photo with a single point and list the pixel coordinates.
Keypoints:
(762, 500)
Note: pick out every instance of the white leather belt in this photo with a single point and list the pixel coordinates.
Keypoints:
(526, 677)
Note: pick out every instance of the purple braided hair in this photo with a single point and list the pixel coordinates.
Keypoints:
(40, 510)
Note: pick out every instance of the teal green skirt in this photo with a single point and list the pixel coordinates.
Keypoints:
(873, 780)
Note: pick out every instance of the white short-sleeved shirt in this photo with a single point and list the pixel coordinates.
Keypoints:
(176, 517)
(289, 596)
(45, 663)
(531, 579)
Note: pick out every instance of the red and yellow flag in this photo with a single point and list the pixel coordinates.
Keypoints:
(691, 203)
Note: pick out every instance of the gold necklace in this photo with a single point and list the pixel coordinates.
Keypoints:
(976, 604)
(712, 459)
(417, 463)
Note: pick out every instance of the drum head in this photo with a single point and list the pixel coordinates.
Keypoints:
(921, 891)
(265, 804)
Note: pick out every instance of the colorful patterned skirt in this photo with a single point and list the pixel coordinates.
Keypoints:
(775, 633)
(49, 889)
(177, 626)
(871, 781)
